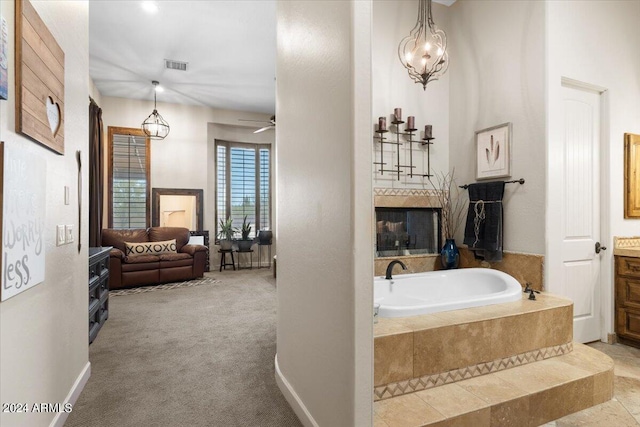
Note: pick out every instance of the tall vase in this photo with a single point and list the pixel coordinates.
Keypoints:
(450, 256)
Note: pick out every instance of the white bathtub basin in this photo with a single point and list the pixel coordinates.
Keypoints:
(436, 291)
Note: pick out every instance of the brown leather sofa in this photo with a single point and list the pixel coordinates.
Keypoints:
(134, 270)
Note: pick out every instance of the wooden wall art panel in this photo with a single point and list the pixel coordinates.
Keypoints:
(39, 80)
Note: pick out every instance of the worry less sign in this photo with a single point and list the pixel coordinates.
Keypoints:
(23, 251)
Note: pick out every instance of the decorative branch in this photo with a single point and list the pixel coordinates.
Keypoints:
(451, 200)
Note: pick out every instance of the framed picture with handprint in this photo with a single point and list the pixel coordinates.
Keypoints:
(493, 152)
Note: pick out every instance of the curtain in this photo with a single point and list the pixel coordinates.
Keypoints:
(96, 173)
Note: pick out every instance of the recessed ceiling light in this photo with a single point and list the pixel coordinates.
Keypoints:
(150, 7)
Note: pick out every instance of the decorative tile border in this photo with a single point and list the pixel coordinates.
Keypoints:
(429, 381)
(404, 192)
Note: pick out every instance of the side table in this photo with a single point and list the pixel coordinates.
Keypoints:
(250, 252)
(223, 259)
(260, 245)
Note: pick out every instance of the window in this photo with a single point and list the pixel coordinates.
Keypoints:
(243, 175)
(129, 189)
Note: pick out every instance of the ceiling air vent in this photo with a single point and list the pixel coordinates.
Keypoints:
(170, 64)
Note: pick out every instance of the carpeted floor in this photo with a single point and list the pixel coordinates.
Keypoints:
(191, 356)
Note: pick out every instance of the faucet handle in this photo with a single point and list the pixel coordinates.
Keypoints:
(528, 289)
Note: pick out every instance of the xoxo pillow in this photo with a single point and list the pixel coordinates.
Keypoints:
(151, 248)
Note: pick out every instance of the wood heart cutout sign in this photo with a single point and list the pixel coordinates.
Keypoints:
(53, 114)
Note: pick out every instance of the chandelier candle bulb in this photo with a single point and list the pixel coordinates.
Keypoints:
(411, 122)
(382, 123)
(397, 113)
(427, 131)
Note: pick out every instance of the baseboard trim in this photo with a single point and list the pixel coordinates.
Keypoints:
(72, 397)
(294, 400)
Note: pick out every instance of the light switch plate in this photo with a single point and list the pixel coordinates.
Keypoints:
(69, 233)
(66, 194)
(60, 235)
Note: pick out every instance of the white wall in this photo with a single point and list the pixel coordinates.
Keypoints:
(597, 42)
(497, 75)
(44, 330)
(186, 158)
(177, 161)
(392, 87)
(324, 339)
(94, 92)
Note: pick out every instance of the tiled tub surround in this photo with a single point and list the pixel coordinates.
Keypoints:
(526, 268)
(418, 352)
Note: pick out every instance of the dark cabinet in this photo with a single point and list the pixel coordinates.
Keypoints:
(628, 299)
(98, 289)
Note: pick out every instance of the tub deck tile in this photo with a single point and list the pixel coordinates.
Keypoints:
(406, 411)
(525, 396)
(393, 359)
(432, 349)
(544, 301)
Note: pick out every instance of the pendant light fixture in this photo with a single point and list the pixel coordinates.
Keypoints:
(424, 51)
(155, 127)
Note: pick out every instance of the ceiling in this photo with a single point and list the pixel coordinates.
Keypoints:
(230, 47)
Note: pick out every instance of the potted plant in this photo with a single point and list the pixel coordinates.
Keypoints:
(453, 205)
(244, 245)
(226, 230)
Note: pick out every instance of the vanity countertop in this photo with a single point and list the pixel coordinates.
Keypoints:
(626, 246)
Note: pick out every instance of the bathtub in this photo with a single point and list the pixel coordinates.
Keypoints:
(436, 291)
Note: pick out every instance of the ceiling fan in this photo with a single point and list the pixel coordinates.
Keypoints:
(271, 124)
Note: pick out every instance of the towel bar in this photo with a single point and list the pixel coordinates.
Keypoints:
(520, 181)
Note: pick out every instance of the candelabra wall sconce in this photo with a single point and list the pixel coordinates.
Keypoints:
(410, 137)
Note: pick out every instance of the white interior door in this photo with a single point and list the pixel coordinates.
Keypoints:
(578, 266)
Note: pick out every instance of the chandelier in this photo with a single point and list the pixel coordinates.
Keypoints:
(424, 51)
(154, 126)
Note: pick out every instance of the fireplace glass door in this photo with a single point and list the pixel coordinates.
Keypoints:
(407, 231)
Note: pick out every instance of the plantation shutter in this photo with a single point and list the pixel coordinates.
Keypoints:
(221, 188)
(265, 190)
(243, 186)
(129, 182)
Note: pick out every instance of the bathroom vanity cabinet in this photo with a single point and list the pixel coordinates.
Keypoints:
(628, 299)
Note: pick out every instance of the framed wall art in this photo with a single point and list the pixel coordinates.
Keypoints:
(23, 220)
(493, 152)
(39, 80)
(631, 175)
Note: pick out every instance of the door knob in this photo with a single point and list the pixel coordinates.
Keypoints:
(600, 248)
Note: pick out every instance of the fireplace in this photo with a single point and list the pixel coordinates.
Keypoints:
(407, 231)
(407, 222)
